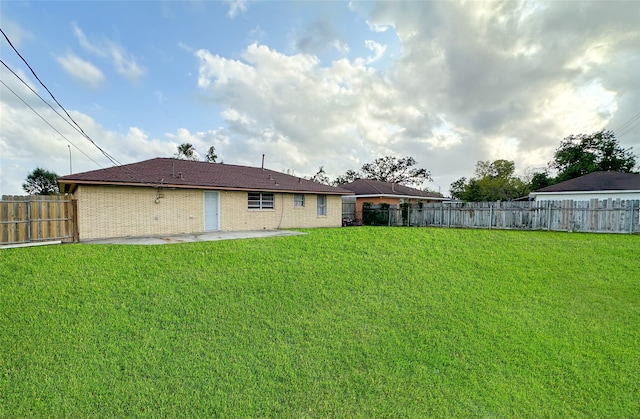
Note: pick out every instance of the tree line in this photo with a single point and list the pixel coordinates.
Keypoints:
(576, 156)
(385, 169)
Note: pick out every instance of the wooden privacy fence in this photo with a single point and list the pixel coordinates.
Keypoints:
(602, 216)
(38, 218)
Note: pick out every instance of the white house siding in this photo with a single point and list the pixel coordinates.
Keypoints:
(119, 211)
(584, 196)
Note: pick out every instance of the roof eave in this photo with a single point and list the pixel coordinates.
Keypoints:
(608, 191)
(382, 195)
(75, 183)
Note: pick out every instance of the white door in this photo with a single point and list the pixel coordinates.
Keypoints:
(211, 211)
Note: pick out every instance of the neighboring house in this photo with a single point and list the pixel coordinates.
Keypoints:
(172, 196)
(377, 192)
(596, 185)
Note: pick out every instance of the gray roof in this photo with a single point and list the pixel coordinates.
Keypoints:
(597, 181)
(370, 187)
(176, 173)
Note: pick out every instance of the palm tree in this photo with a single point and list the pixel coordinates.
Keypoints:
(186, 152)
(211, 155)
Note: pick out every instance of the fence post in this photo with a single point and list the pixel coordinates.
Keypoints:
(28, 207)
(74, 211)
(490, 215)
(631, 219)
(549, 215)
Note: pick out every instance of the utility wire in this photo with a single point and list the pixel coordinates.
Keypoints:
(114, 161)
(107, 155)
(628, 126)
(633, 118)
(41, 98)
(628, 130)
(130, 172)
(47, 122)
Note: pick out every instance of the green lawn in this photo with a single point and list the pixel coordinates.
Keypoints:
(351, 322)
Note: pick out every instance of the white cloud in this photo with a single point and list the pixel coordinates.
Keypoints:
(84, 42)
(125, 63)
(508, 79)
(377, 28)
(26, 141)
(378, 50)
(236, 7)
(186, 47)
(81, 70)
(290, 106)
(319, 36)
(256, 34)
(471, 81)
(16, 33)
(160, 97)
(201, 141)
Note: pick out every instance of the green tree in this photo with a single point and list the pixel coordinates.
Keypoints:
(186, 151)
(211, 155)
(389, 169)
(582, 154)
(348, 177)
(494, 181)
(541, 180)
(464, 191)
(41, 182)
(319, 177)
(396, 170)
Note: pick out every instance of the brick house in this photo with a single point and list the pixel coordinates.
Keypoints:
(172, 196)
(377, 192)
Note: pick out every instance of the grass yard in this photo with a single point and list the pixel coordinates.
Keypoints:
(351, 322)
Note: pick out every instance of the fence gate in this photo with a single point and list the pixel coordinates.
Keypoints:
(348, 209)
(38, 218)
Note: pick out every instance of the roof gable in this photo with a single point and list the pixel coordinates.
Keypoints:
(170, 172)
(375, 187)
(597, 181)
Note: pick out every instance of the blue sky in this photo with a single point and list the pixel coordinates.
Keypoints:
(309, 84)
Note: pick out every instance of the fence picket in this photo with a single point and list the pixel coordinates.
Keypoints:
(25, 219)
(608, 216)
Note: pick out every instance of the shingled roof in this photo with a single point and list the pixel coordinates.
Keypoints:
(370, 188)
(597, 181)
(176, 173)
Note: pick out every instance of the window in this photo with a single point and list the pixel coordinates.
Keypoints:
(260, 200)
(322, 204)
(298, 200)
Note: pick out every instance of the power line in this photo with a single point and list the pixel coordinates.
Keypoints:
(628, 130)
(636, 116)
(130, 172)
(79, 128)
(41, 98)
(628, 126)
(113, 160)
(47, 122)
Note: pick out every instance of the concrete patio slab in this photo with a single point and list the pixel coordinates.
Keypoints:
(199, 237)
